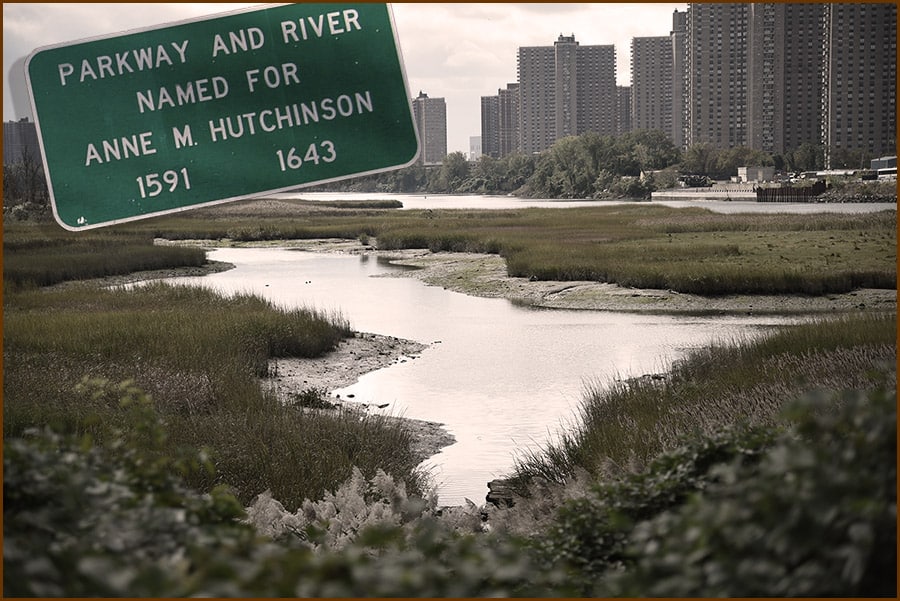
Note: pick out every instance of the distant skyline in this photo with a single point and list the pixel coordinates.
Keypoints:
(459, 52)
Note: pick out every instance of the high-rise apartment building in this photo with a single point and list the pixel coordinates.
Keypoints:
(860, 78)
(500, 122)
(490, 126)
(565, 89)
(679, 91)
(508, 119)
(431, 121)
(716, 74)
(596, 89)
(776, 76)
(474, 148)
(785, 76)
(651, 83)
(623, 110)
(768, 76)
(537, 98)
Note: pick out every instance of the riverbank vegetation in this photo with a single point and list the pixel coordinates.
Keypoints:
(199, 356)
(805, 506)
(36, 255)
(625, 425)
(136, 431)
(637, 245)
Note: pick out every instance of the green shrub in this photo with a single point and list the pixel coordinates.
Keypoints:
(82, 520)
(807, 511)
(815, 516)
(590, 535)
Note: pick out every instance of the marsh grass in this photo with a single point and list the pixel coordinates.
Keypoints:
(624, 425)
(199, 355)
(686, 250)
(43, 255)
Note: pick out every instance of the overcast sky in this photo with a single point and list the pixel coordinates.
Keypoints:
(459, 52)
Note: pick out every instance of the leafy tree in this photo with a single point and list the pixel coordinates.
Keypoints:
(807, 157)
(410, 179)
(25, 193)
(572, 168)
(516, 168)
(652, 149)
(728, 161)
(452, 174)
(850, 158)
(699, 159)
(488, 173)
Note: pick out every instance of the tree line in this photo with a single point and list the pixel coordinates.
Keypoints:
(632, 165)
(593, 166)
(25, 193)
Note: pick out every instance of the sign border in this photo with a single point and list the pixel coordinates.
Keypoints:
(261, 193)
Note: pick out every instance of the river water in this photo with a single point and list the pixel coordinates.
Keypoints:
(502, 378)
(461, 201)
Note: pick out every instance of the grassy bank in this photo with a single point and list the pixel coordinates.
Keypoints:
(199, 356)
(805, 507)
(44, 254)
(641, 245)
(698, 483)
(626, 425)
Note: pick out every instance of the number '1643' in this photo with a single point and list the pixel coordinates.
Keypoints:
(291, 159)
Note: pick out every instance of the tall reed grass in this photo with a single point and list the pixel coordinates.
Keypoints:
(624, 425)
(200, 356)
(43, 255)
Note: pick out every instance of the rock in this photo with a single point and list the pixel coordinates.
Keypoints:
(500, 494)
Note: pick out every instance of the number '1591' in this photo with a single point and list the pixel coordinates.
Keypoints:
(153, 184)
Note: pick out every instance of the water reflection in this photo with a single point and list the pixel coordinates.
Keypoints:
(501, 377)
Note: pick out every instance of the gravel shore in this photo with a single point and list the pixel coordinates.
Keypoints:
(485, 275)
(343, 366)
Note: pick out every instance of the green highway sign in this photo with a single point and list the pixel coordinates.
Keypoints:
(218, 109)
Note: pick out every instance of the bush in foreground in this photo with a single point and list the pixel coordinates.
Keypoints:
(810, 510)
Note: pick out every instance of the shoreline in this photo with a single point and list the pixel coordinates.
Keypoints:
(485, 276)
(354, 357)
